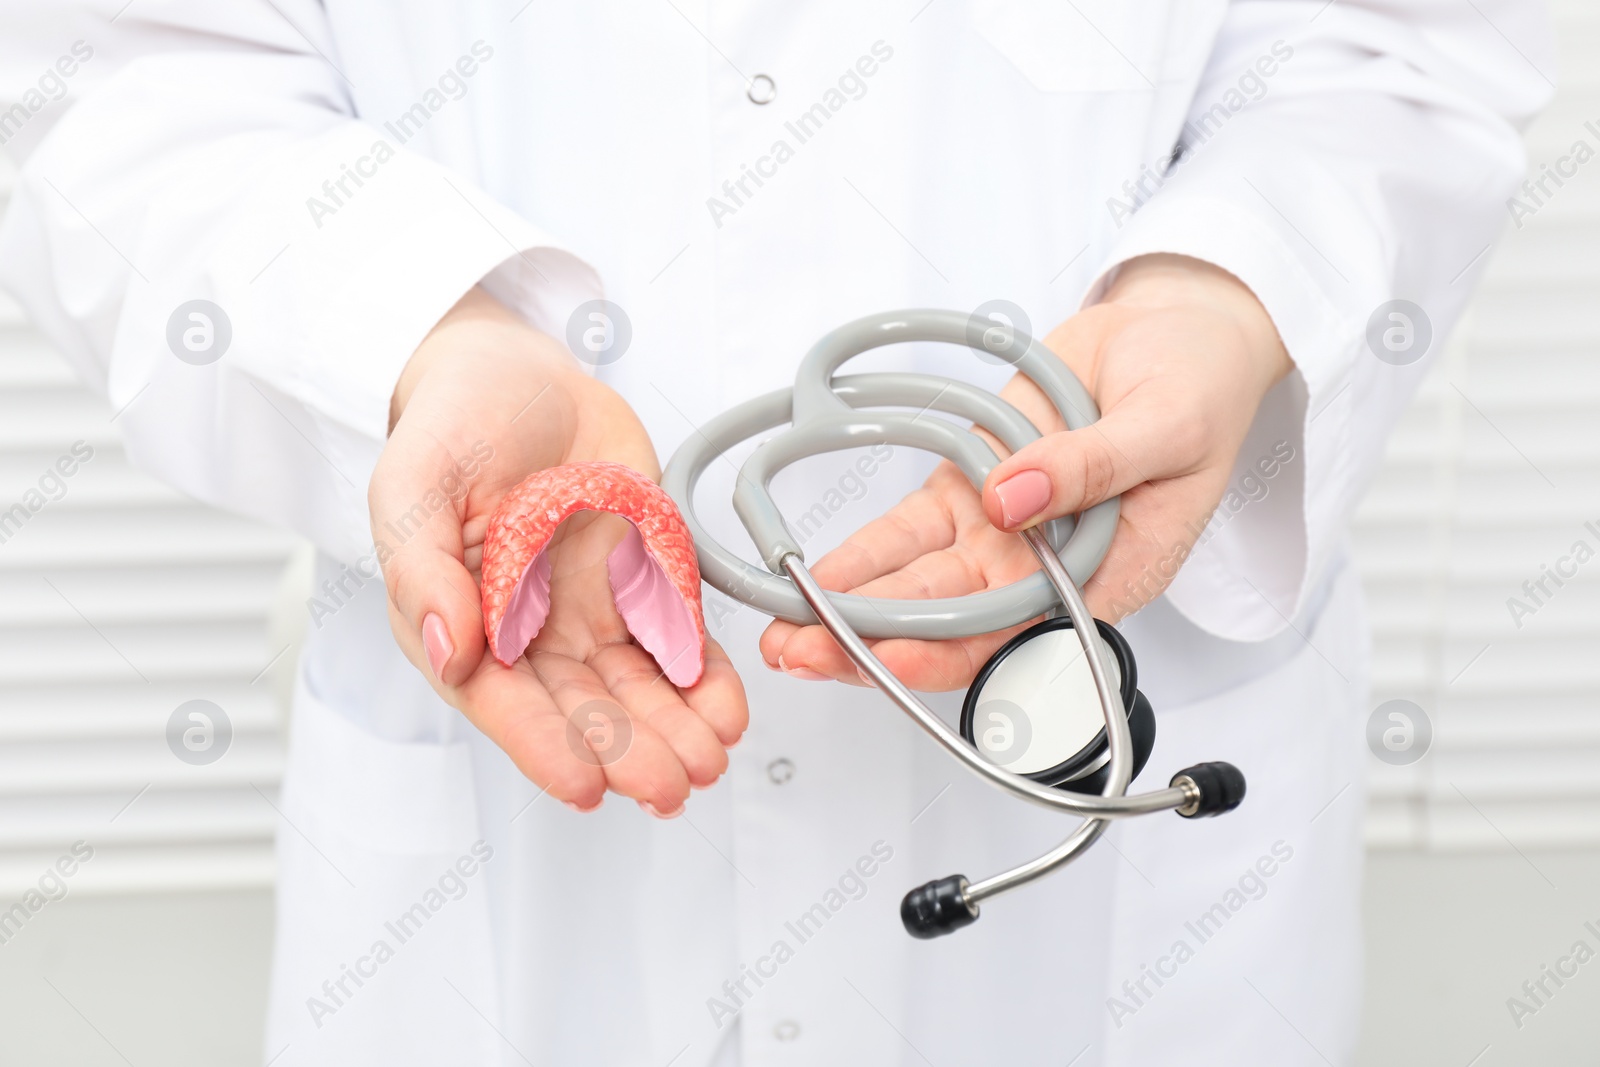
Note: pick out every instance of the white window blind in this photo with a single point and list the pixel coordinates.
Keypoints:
(1491, 478)
(121, 599)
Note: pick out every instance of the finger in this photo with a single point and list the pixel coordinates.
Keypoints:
(919, 524)
(817, 657)
(1156, 530)
(1064, 473)
(719, 697)
(637, 762)
(513, 710)
(642, 689)
(417, 530)
(773, 638)
(810, 653)
(941, 666)
(931, 666)
(938, 665)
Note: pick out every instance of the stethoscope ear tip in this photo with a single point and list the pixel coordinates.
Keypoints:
(940, 907)
(1218, 789)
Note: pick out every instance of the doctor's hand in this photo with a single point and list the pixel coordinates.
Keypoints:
(1179, 356)
(484, 402)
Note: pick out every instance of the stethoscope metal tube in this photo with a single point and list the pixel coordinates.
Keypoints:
(1120, 743)
(1109, 806)
(823, 410)
(1184, 793)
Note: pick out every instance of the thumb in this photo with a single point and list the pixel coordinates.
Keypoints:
(1064, 473)
(435, 609)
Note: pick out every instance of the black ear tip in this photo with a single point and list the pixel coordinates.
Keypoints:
(1221, 787)
(938, 908)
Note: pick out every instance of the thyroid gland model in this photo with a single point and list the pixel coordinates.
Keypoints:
(655, 579)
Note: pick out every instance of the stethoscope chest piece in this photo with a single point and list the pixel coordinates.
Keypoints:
(1033, 708)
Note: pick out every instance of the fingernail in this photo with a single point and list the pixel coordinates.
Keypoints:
(585, 811)
(805, 674)
(650, 809)
(436, 641)
(1022, 496)
(863, 676)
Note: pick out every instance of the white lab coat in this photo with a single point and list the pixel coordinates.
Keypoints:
(1338, 155)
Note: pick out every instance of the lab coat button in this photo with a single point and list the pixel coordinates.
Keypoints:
(780, 771)
(762, 90)
(787, 1030)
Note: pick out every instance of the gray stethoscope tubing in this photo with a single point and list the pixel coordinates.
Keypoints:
(822, 411)
(829, 422)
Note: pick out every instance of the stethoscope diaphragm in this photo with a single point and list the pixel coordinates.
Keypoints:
(1033, 708)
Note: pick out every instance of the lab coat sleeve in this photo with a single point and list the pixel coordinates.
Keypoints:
(1335, 157)
(210, 152)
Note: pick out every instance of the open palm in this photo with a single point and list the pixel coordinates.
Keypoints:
(585, 710)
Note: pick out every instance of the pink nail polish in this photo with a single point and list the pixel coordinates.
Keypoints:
(1022, 496)
(436, 642)
(650, 809)
(805, 674)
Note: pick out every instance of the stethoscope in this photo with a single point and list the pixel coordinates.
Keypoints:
(1020, 730)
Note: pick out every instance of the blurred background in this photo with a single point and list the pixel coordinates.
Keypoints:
(121, 600)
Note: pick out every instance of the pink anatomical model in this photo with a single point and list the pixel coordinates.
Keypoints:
(655, 578)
